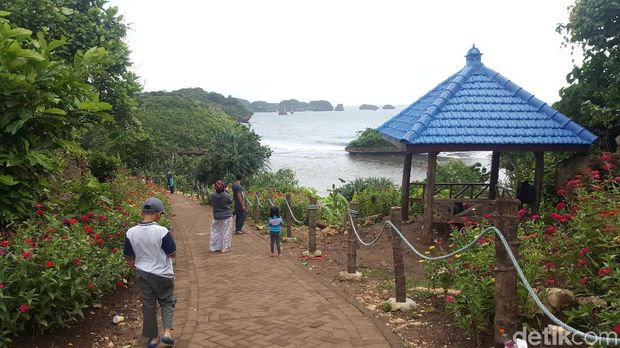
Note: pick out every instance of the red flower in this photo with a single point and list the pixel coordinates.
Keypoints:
(90, 214)
(606, 156)
(595, 174)
(90, 286)
(581, 262)
(101, 217)
(617, 179)
(72, 221)
(120, 284)
(49, 264)
(27, 255)
(554, 250)
(549, 282)
(114, 250)
(608, 166)
(84, 219)
(40, 212)
(125, 224)
(39, 206)
(452, 270)
(4, 243)
(604, 271)
(1, 285)
(23, 308)
(584, 280)
(548, 265)
(551, 230)
(535, 217)
(48, 238)
(521, 213)
(617, 329)
(488, 216)
(560, 206)
(77, 261)
(450, 299)
(88, 229)
(583, 251)
(562, 192)
(30, 242)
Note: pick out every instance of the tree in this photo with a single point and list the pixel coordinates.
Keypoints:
(44, 103)
(593, 95)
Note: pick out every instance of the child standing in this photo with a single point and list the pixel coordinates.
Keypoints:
(275, 223)
(149, 248)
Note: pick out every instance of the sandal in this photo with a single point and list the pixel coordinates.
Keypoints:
(152, 345)
(167, 340)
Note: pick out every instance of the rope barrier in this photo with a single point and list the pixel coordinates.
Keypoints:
(247, 200)
(293, 215)
(258, 200)
(358, 235)
(270, 202)
(589, 338)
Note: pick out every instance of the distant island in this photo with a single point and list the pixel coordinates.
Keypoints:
(369, 107)
(339, 107)
(290, 105)
(370, 142)
(388, 107)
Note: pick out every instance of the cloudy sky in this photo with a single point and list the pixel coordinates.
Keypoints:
(344, 51)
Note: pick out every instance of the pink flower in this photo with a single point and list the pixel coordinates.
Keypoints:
(608, 166)
(521, 213)
(535, 217)
(617, 179)
(549, 282)
(560, 206)
(604, 271)
(4, 243)
(450, 299)
(488, 216)
(1, 285)
(562, 192)
(548, 265)
(452, 270)
(581, 262)
(606, 156)
(2, 251)
(617, 329)
(583, 251)
(23, 308)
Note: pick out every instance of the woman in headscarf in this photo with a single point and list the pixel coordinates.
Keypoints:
(221, 228)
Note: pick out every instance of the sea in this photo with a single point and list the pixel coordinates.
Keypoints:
(312, 144)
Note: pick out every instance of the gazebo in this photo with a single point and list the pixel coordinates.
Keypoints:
(477, 109)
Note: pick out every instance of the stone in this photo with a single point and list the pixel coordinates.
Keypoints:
(437, 291)
(339, 107)
(307, 253)
(346, 276)
(560, 298)
(260, 227)
(111, 345)
(592, 300)
(406, 306)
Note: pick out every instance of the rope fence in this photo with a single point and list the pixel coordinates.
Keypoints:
(588, 337)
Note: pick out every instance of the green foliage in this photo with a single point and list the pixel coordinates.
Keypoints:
(361, 184)
(456, 171)
(66, 256)
(368, 138)
(231, 106)
(593, 95)
(284, 180)
(377, 201)
(103, 166)
(44, 105)
(333, 208)
(575, 246)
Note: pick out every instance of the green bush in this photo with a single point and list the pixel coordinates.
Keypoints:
(284, 180)
(373, 201)
(103, 166)
(368, 138)
(65, 257)
(361, 184)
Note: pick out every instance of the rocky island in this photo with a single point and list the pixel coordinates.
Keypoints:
(339, 107)
(369, 107)
(388, 107)
(370, 142)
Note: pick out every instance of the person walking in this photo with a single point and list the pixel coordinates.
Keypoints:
(170, 182)
(221, 227)
(149, 249)
(275, 224)
(240, 207)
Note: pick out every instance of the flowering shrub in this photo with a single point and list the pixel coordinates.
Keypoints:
(59, 263)
(574, 245)
(377, 201)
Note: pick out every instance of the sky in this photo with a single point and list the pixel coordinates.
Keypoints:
(343, 51)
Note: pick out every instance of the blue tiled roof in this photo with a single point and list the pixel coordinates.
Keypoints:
(478, 106)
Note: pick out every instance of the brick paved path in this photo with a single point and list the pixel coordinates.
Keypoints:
(246, 298)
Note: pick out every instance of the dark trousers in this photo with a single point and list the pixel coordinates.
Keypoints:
(275, 241)
(171, 189)
(154, 289)
(239, 220)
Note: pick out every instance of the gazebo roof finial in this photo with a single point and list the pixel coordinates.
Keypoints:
(473, 56)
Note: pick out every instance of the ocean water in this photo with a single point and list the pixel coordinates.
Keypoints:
(312, 144)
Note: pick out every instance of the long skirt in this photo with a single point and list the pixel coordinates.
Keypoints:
(221, 234)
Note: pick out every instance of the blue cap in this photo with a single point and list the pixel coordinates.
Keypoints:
(152, 205)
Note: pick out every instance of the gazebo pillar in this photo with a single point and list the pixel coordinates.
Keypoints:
(427, 233)
(538, 180)
(405, 187)
(494, 175)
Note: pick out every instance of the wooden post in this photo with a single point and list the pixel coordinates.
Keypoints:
(352, 241)
(405, 186)
(538, 179)
(427, 231)
(289, 217)
(312, 225)
(506, 308)
(256, 209)
(397, 255)
(494, 175)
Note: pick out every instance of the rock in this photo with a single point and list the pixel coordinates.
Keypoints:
(371, 307)
(560, 298)
(320, 105)
(260, 227)
(368, 107)
(111, 345)
(592, 300)
(329, 231)
(437, 291)
(346, 276)
(339, 107)
(557, 330)
(388, 107)
(406, 306)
